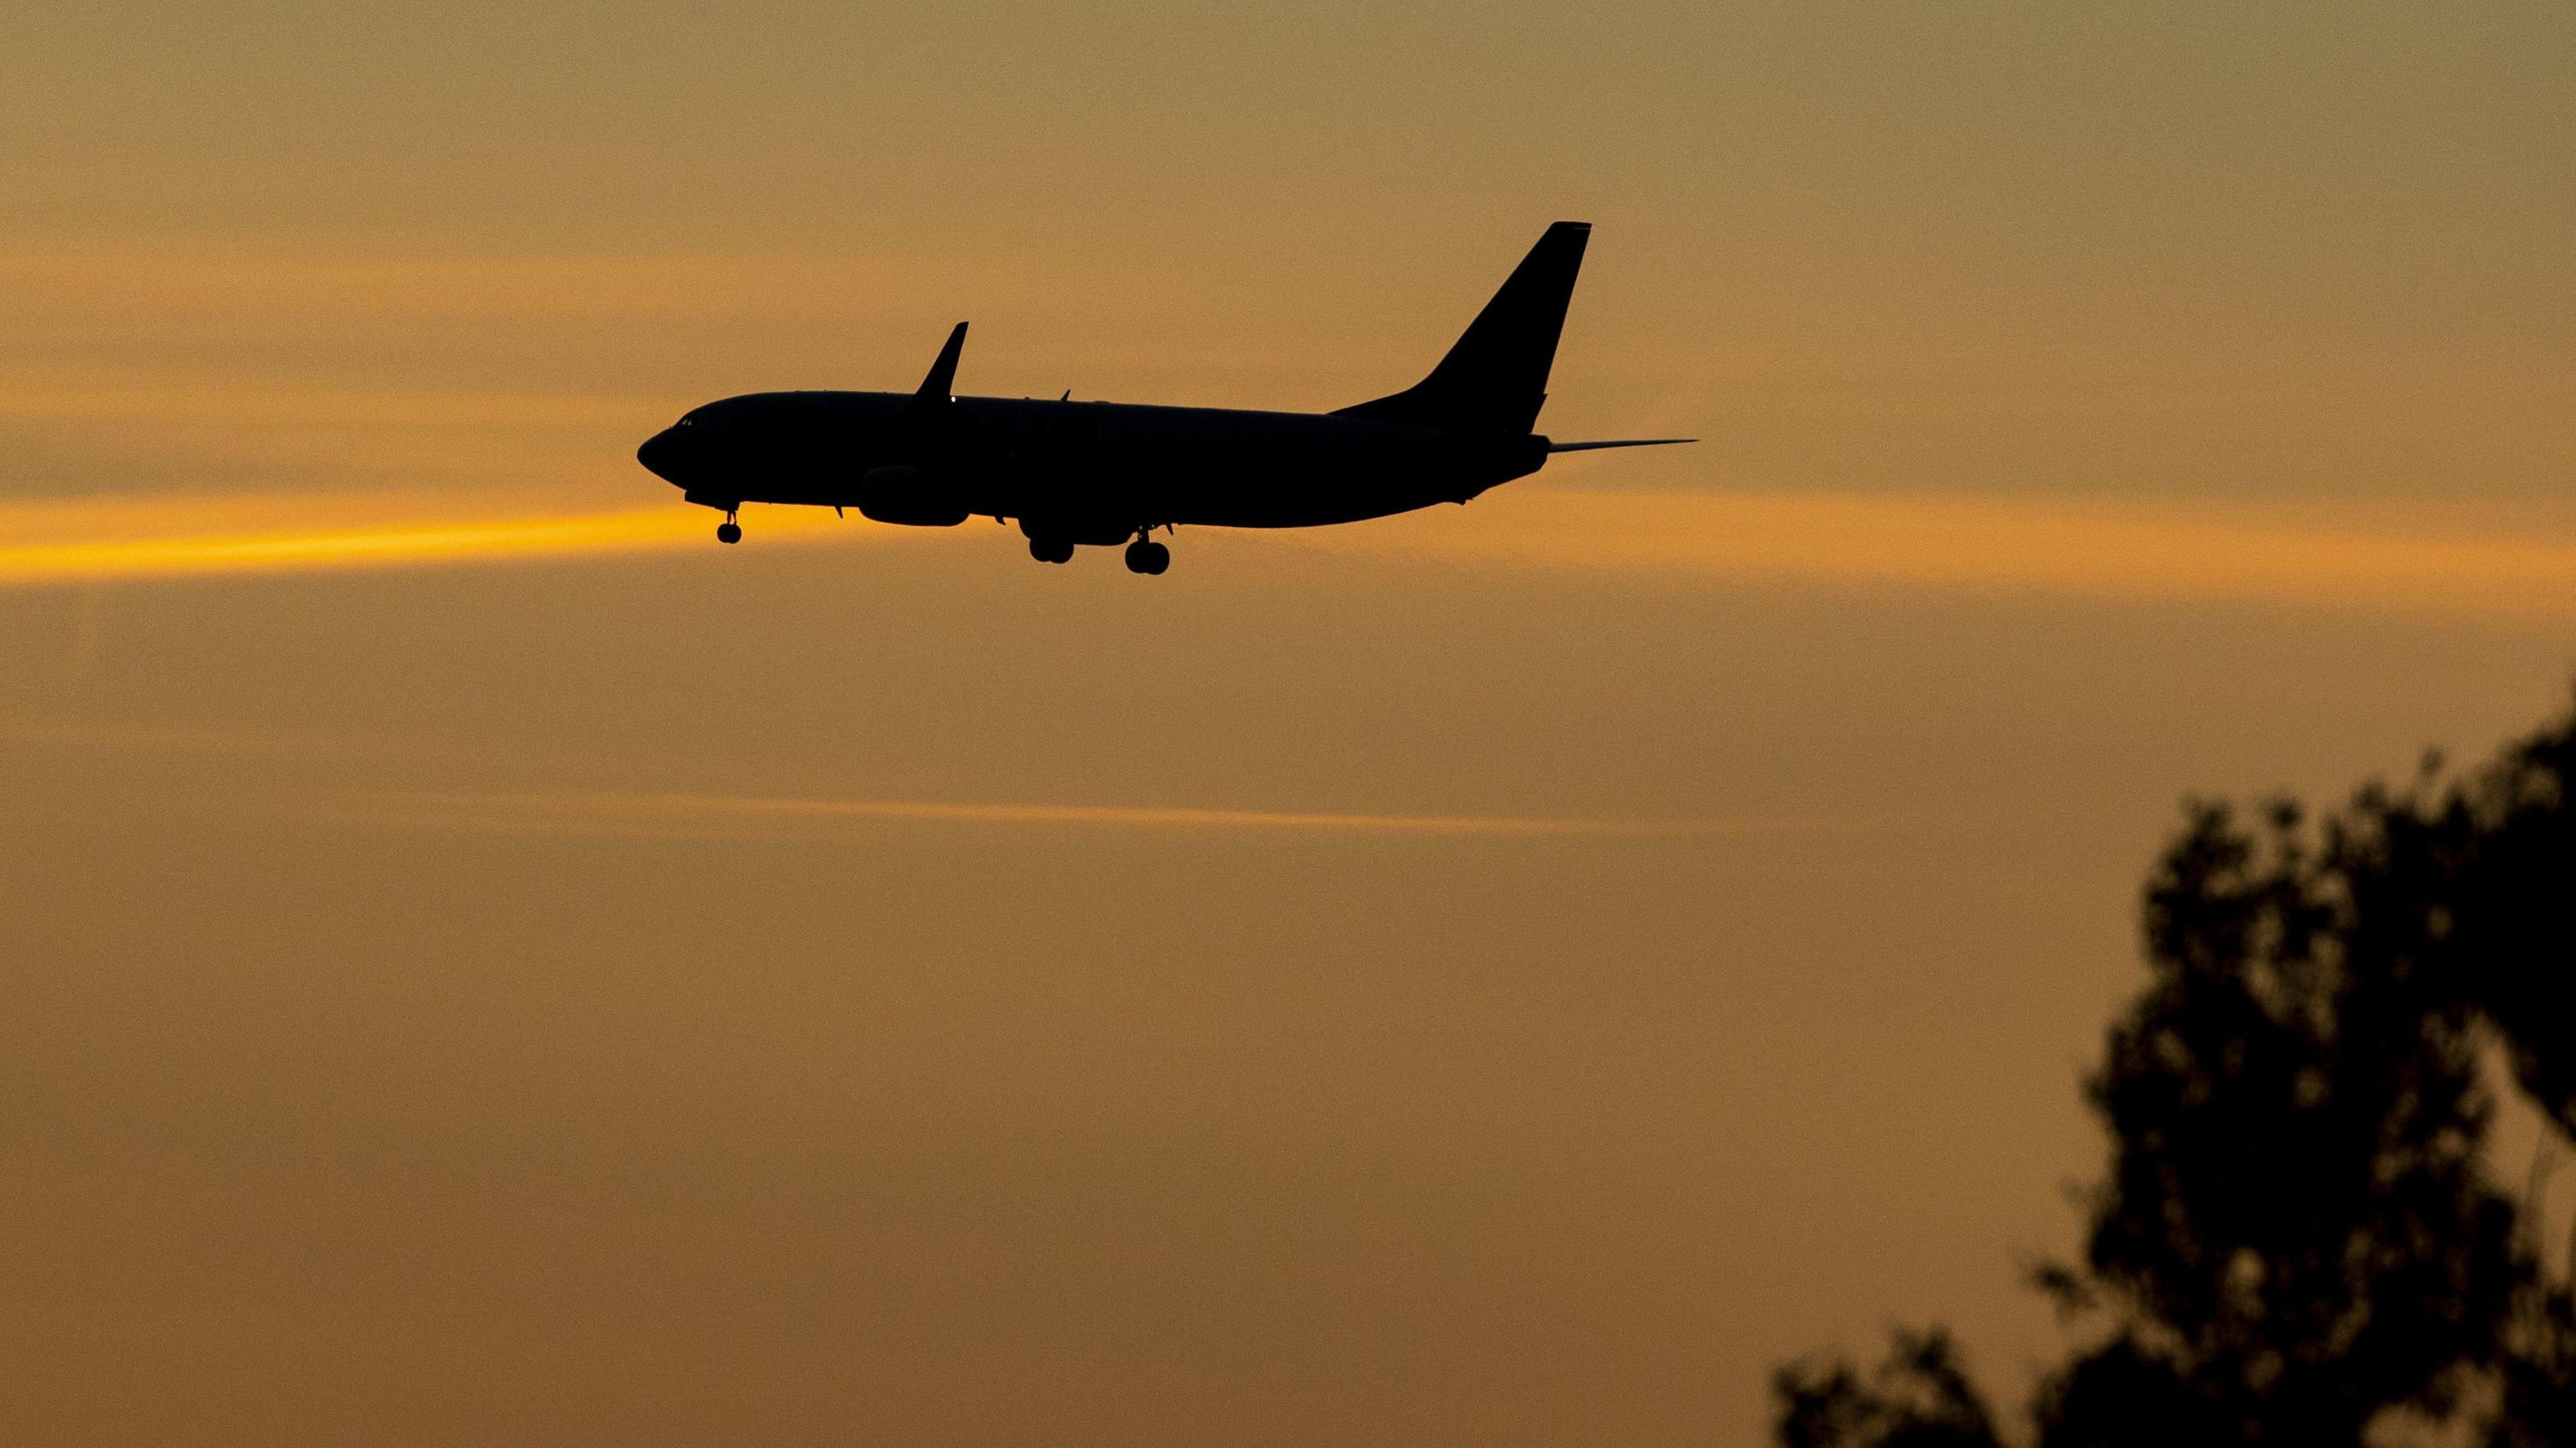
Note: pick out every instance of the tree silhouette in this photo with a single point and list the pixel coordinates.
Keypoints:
(2295, 1238)
(1918, 1398)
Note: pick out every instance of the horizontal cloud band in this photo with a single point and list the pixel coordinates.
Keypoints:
(111, 540)
(1992, 543)
(663, 814)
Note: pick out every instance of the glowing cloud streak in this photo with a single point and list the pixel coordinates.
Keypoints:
(119, 540)
(2451, 561)
(2505, 567)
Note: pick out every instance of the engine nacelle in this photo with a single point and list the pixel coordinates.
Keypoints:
(909, 496)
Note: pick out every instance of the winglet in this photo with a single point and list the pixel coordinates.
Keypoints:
(943, 373)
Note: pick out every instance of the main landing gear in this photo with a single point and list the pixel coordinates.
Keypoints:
(1147, 556)
(728, 531)
(1144, 555)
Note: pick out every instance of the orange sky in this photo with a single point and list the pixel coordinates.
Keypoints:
(482, 962)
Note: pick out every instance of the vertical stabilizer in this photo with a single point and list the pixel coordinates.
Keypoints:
(1495, 378)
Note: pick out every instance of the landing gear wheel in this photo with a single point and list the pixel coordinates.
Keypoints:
(1051, 550)
(728, 531)
(1147, 557)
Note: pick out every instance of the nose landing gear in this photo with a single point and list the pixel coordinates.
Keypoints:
(1147, 556)
(1048, 549)
(728, 531)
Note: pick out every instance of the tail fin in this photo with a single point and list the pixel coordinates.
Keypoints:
(1495, 378)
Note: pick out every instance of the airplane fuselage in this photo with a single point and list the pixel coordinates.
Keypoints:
(1092, 472)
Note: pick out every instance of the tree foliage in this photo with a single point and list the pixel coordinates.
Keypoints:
(1918, 1398)
(2295, 1237)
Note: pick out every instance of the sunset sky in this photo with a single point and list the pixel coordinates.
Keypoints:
(481, 962)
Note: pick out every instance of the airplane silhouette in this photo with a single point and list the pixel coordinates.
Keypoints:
(1104, 473)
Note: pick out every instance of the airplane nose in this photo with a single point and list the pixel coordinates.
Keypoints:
(660, 455)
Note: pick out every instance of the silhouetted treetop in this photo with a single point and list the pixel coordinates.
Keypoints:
(2294, 1235)
(2295, 1238)
(1919, 1397)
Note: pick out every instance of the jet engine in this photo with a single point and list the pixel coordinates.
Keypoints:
(909, 496)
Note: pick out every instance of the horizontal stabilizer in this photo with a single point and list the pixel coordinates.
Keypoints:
(1558, 447)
